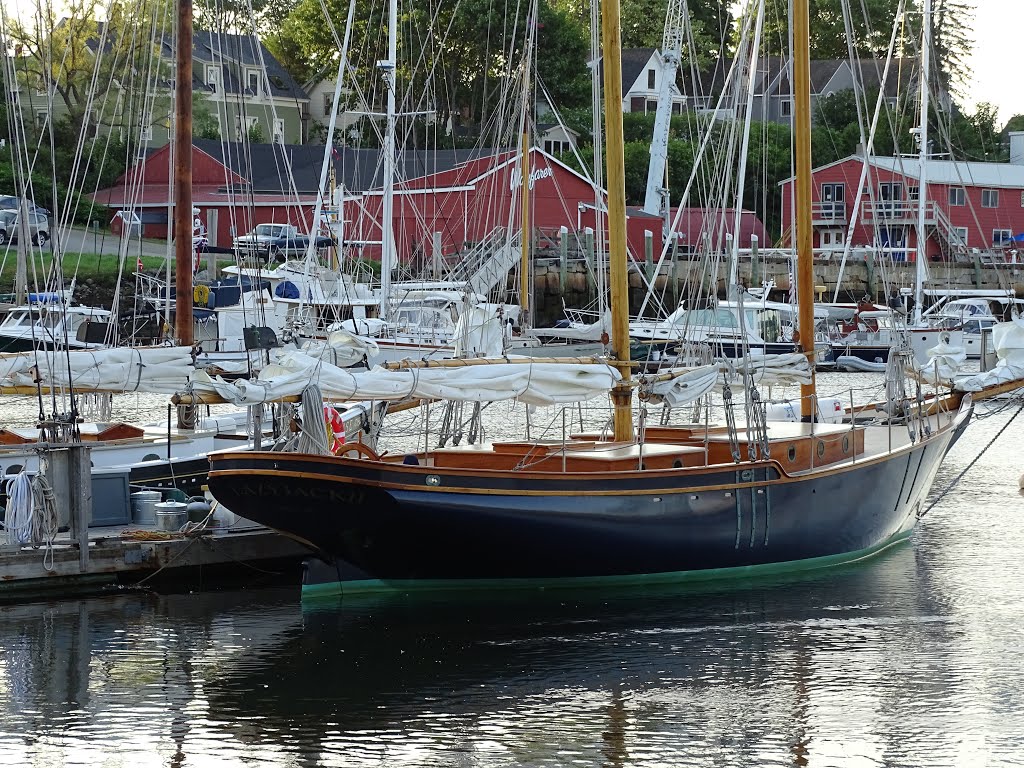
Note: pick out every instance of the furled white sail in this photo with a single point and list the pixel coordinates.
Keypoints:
(1008, 340)
(535, 384)
(162, 370)
(791, 368)
(944, 360)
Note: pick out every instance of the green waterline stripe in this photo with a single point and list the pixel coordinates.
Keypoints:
(367, 587)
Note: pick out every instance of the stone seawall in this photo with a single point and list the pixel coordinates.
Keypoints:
(575, 284)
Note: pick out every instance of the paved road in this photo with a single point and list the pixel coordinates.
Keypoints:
(83, 240)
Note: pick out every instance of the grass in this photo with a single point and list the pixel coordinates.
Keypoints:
(101, 268)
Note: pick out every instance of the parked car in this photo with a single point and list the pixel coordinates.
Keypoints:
(38, 227)
(276, 242)
(12, 203)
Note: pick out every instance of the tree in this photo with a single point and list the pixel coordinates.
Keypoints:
(255, 134)
(455, 58)
(872, 22)
(102, 73)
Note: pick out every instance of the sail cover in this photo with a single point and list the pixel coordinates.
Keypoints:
(162, 370)
(1008, 339)
(534, 384)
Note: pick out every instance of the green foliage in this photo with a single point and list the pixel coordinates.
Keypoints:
(255, 133)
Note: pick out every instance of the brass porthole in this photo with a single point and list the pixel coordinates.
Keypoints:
(821, 448)
(792, 453)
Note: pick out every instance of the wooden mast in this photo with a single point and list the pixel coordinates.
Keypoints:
(524, 229)
(802, 220)
(183, 177)
(611, 42)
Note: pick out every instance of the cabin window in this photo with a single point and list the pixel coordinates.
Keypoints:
(990, 198)
(957, 196)
(651, 79)
(1002, 236)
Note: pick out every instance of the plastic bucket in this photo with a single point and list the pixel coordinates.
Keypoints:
(170, 515)
(144, 507)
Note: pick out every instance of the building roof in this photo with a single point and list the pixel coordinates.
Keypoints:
(633, 62)
(265, 165)
(217, 48)
(950, 172)
(957, 173)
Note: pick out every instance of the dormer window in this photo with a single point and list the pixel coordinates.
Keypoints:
(252, 78)
(651, 79)
(213, 78)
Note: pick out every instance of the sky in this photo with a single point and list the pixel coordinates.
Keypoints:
(999, 37)
(996, 61)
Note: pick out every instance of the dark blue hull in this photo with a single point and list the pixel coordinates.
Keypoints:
(404, 526)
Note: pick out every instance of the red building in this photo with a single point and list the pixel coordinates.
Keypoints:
(969, 207)
(227, 202)
(465, 196)
(479, 198)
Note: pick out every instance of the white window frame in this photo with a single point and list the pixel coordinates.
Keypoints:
(279, 130)
(960, 233)
(1002, 237)
(914, 192)
(213, 77)
(249, 75)
(990, 198)
(957, 197)
(652, 80)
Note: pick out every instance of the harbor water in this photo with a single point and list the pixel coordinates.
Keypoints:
(911, 658)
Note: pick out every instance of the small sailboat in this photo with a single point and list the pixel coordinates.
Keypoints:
(659, 502)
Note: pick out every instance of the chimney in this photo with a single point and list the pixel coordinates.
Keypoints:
(1017, 147)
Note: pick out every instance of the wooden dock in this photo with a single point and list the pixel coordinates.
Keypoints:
(118, 556)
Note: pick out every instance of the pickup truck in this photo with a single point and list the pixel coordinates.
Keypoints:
(276, 242)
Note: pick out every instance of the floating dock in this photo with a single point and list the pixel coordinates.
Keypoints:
(142, 555)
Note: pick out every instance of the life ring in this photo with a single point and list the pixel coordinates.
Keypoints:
(201, 295)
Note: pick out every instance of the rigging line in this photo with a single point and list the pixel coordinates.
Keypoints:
(973, 461)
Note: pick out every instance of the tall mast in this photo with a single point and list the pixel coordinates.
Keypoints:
(387, 252)
(524, 257)
(183, 177)
(921, 258)
(802, 220)
(611, 40)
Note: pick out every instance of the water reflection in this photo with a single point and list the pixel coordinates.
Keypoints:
(864, 665)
